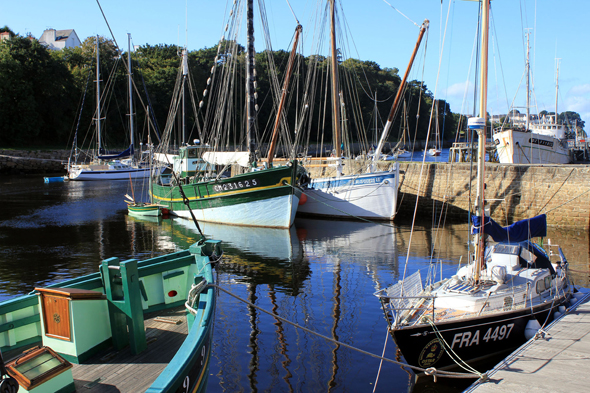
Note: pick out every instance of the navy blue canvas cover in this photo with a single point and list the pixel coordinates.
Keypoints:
(126, 153)
(518, 232)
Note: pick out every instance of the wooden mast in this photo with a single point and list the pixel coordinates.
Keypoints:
(250, 106)
(399, 94)
(336, 126)
(481, 147)
(275, 131)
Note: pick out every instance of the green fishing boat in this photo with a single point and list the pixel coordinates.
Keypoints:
(131, 327)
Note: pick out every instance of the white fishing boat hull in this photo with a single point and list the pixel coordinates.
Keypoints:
(109, 172)
(371, 195)
(519, 147)
(270, 213)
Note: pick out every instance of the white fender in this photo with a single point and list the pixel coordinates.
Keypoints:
(532, 327)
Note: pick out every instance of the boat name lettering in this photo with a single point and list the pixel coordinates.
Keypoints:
(368, 181)
(467, 339)
(235, 185)
(541, 142)
(186, 384)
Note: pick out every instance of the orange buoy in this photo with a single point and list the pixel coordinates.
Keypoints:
(303, 199)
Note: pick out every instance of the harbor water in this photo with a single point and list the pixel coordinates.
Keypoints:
(319, 274)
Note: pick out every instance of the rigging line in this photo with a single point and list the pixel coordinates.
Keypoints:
(401, 13)
(293, 12)
(565, 203)
(440, 373)
(107, 22)
(381, 362)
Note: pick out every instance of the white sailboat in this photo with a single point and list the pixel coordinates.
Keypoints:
(509, 285)
(372, 194)
(119, 166)
(542, 141)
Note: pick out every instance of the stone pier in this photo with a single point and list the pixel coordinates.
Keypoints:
(513, 192)
(19, 162)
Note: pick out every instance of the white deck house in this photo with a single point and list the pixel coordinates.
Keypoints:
(59, 39)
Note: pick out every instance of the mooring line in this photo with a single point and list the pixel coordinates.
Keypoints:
(429, 371)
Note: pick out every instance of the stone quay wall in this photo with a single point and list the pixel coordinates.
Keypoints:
(19, 162)
(513, 192)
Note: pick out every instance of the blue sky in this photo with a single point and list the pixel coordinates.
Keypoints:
(377, 31)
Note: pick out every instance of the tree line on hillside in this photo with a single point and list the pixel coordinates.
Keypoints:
(48, 97)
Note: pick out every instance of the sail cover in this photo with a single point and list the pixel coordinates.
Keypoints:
(241, 158)
(126, 153)
(518, 232)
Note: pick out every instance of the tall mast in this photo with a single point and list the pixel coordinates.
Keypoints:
(250, 108)
(98, 137)
(275, 132)
(479, 124)
(528, 77)
(184, 76)
(399, 93)
(131, 128)
(556, 88)
(336, 127)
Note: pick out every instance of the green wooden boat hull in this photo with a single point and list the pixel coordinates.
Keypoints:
(265, 198)
(143, 209)
(164, 282)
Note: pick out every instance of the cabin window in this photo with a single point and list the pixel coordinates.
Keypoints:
(547, 282)
(540, 286)
(192, 153)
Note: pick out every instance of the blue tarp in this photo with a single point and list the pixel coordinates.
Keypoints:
(126, 153)
(518, 232)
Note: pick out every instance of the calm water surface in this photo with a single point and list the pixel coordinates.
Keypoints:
(319, 274)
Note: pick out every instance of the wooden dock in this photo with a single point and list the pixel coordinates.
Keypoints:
(557, 363)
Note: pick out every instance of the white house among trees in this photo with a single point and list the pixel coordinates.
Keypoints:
(59, 39)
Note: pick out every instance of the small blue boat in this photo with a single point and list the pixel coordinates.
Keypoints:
(131, 327)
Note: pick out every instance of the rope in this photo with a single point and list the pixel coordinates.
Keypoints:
(381, 362)
(453, 355)
(431, 371)
(401, 13)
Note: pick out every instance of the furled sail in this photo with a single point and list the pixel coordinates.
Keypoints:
(518, 232)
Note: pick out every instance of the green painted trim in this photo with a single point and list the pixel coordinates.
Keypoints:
(163, 258)
(81, 358)
(67, 389)
(142, 290)
(163, 306)
(166, 266)
(24, 343)
(18, 303)
(20, 322)
(173, 274)
(270, 183)
(69, 358)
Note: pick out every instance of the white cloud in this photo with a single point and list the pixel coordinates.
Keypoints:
(456, 94)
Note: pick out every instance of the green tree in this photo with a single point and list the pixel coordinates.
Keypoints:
(35, 105)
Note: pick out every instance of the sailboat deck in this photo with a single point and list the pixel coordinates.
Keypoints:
(440, 314)
(121, 371)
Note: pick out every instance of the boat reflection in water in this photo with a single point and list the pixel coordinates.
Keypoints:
(320, 274)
